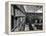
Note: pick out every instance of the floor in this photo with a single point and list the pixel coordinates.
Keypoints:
(26, 28)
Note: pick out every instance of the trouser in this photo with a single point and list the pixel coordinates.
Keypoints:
(30, 26)
(21, 27)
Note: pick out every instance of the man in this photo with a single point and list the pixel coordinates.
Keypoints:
(30, 21)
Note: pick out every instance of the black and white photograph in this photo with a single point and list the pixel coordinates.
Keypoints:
(26, 17)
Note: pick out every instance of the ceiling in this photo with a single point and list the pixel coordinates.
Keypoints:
(33, 8)
(30, 8)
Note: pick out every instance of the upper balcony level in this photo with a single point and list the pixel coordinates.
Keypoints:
(22, 10)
